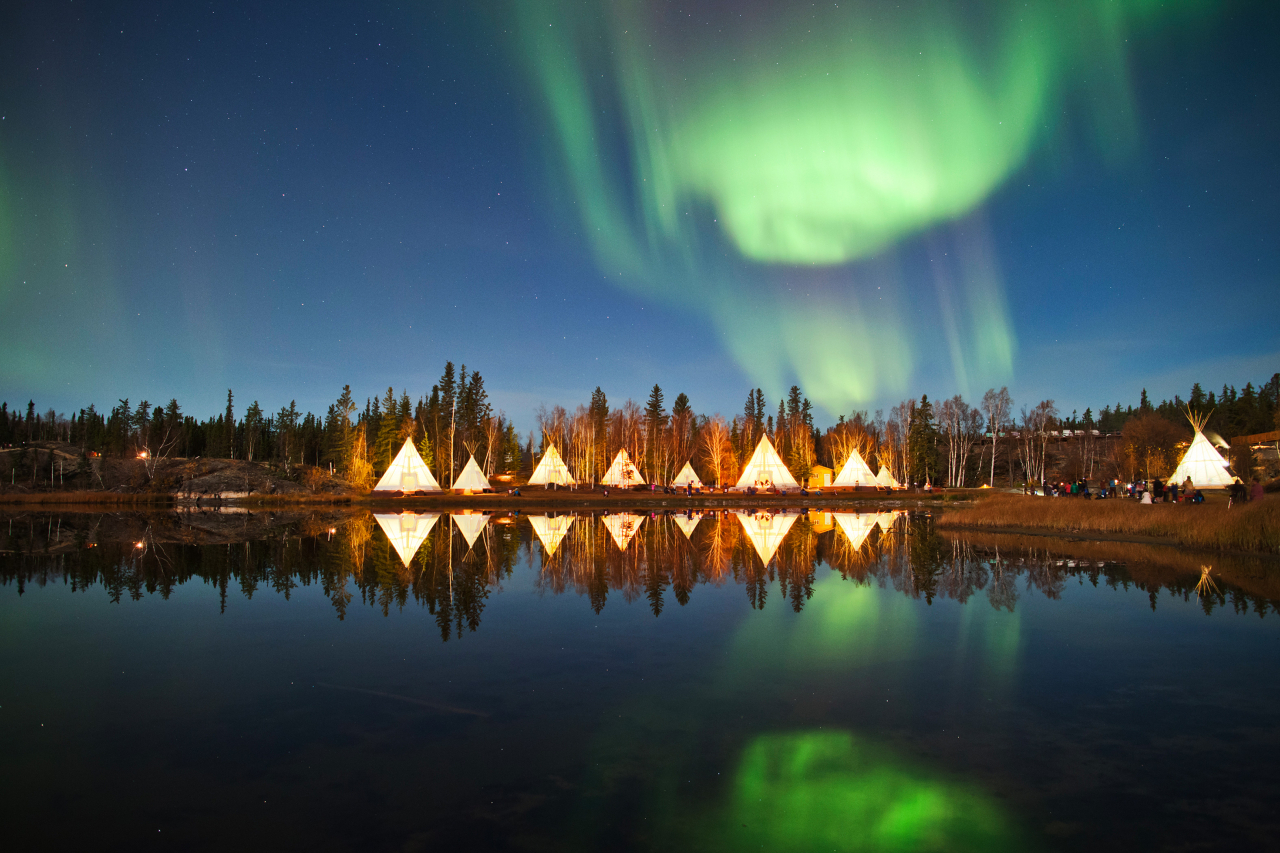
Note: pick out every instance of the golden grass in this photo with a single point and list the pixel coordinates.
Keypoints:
(1251, 526)
(1148, 564)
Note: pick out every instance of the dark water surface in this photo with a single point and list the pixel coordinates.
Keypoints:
(790, 682)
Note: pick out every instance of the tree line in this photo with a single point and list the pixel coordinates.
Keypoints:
(952, 443)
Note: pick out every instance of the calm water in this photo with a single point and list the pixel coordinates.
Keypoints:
(788, 682)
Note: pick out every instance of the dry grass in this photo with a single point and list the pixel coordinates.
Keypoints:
(1245, 527)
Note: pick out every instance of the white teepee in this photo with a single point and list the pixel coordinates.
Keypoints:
(551, 470)
(551, 530)
(886, 520)
(884, 478)
(470, 525)
(766, 468)
(1202, 462)
(406, 531)
(472, 479)
(765, 531)
(855, 472)
(408, 473)
(856, 527)
(622, 527)
(687, 477)
(687, 524)
(622, 473)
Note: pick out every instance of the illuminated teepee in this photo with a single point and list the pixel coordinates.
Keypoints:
(1202, 462)
(622, 473)
(855, 472)
(856, 527)
(687, 524)
(886, 520)
(470, 525)
(687, 477)
(551, 530)
(406, 531)
(623, 528)
(408, 473)
(471, 479)
(551, 470)
(885, 479)
(765, 469)
(765, 531)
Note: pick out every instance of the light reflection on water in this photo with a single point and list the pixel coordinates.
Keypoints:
(813, 681)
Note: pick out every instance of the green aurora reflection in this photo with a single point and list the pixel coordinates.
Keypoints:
(718, 161)
(828, 790)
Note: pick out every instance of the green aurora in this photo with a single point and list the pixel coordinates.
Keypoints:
(722, 165)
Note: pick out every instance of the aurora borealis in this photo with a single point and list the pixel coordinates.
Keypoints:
(870, 201)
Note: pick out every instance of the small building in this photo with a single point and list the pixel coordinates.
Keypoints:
(820, 477)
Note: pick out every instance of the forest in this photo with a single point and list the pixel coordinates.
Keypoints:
(952, 442)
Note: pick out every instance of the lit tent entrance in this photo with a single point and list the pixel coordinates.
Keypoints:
(471, 479)
(766, 469)
(1202, 462)
(622, 473)
(550, 530)
(686, 477)
(766, 531)
(406, 531)
(855, 472)
(408, 473)
(885, 479)
(551, 470)
(623, 528)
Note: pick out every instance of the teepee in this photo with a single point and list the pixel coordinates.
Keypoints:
(687, 524)
(884, 478)
(623, 528)
(855, 472)
(471, 479)
(408, 473)
(551, 530)
(765, 531)
(1202, 462)
(856, 527)
(470, 525)
(886, 520)
(622, 472)
(686, 477)
(406, 530)
(551, 470)
(766, 468)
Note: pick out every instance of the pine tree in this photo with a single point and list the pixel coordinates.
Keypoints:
(387, 440)
(229, 428)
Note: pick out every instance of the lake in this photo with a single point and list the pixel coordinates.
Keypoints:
(335, 680)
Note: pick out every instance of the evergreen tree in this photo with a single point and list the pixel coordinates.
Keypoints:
(922, 442)
(387, 439)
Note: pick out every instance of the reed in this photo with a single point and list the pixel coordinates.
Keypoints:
(1251, 526)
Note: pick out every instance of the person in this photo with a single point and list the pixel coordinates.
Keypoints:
(1257, 492)
(1173, 493)
(1146, 497)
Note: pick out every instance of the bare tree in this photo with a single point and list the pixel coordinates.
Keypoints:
(961, 426)
(717, 450)
(1033, 438)
(996, 406)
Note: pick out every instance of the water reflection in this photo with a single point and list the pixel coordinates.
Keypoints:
(450, 565)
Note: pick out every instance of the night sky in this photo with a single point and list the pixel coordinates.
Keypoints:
(1078, 200)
